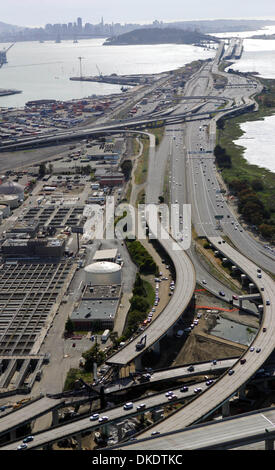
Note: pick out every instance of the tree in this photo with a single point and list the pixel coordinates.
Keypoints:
(93, 355)
(69, 326)
(257, 185)
(126, 168)
(42, 170)
(139, 303)
(267, 231)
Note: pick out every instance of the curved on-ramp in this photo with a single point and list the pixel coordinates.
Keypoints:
(185, 286)
(225, 387)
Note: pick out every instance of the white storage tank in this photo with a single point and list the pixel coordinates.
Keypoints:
(5, 209)
(103, 273)
(12, 188)
(9, 199)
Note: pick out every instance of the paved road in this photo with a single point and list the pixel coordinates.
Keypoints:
(225, 434)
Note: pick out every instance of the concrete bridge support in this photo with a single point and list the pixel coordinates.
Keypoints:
(138, 363)
(170, 332)
(225, 409)
(55, 417)
(251, 287)
(78, 440)
(241, 392)
(156, 347)
(269, 444)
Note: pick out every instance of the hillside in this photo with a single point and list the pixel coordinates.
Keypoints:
(6, 28)
(159, 36)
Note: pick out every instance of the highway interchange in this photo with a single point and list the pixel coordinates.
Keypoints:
(194, 181)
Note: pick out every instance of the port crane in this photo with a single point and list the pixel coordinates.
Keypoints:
(100, 73)
(3, 55)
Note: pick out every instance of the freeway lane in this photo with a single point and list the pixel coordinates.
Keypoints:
(115, 414)
(228, 385)
(225, 434)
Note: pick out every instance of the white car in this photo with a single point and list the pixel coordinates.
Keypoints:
(128, 406)
(94, 417)
(103, 419)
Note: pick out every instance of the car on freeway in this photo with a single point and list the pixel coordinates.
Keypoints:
(231, 372)
(184, 389)
(264, 330)
(154, 433)
(235, 297)
(251, 349)
(172, 397)
(190, 368)
(28, 439)
(94, 417)
(222, 293)
(141, 406)
(209, 382)
(268, 302)
(128, 406)
(102, 419)
(242, 361)
(204, 281)
(258, 350)
(168, 394)
(197, 390)
(22, 447)
(214, 362)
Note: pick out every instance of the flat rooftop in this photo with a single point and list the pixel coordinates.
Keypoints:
(102, 292)
(101, 255)
(96, 310)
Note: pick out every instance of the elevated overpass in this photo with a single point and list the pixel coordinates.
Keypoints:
(227, 385)
(228, 433)
(182, 296)
(116, 126)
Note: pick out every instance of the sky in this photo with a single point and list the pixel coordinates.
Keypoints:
(40, 12)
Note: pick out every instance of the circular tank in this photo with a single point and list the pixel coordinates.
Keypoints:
(9, 199)
(103, 273)
(12, 188)
(5, 209)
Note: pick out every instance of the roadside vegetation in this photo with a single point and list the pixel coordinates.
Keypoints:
(253, 186)
(141, 257)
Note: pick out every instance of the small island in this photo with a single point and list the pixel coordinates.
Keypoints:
(161, 36)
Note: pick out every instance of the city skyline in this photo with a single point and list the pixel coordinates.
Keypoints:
(34, 15)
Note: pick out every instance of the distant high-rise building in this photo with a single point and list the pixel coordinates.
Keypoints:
(79, 24)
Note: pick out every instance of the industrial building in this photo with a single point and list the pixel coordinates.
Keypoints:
(105, 255)
(98, 307)
(33, 248)
(101, 295)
